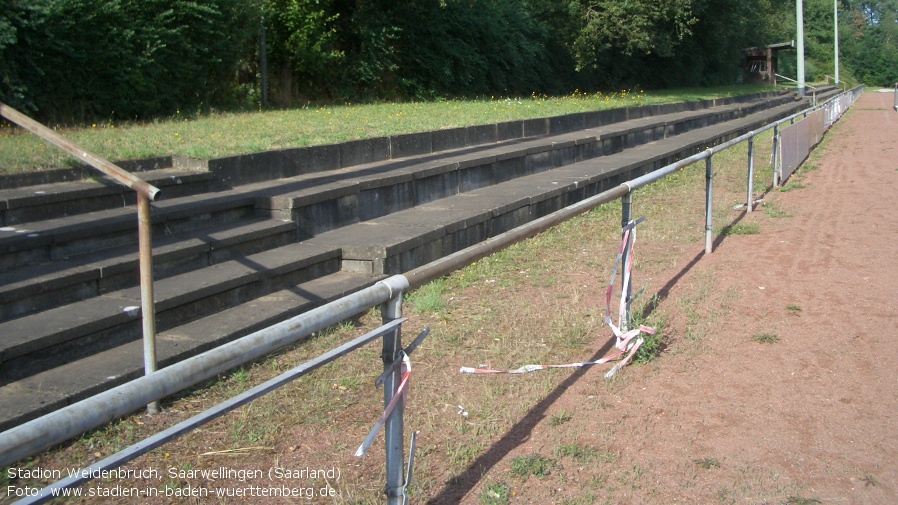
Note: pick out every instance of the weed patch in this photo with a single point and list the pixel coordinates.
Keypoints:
(534, 464)
(740, 229)
(869, 480)
(791, 186)
(798, 500)
(583, 453)
(429, 297)
(653, 344)
(772, 211)
(765, 338)
(498, 493)
(560, 418)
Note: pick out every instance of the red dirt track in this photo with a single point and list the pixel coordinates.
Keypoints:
(812, 418)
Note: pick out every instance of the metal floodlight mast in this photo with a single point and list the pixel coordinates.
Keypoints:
(799, 22)
(836, 37)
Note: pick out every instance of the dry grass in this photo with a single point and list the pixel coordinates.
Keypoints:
(226, 134)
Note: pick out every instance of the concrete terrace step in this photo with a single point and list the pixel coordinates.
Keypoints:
(321, 203)
(75, 380)
(40, 287)
(37, 342)
(66, 237)
(404, 240)
(47, 201)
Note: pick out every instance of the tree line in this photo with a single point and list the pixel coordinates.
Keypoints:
(82, 60)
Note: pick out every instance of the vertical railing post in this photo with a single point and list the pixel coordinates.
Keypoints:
(750, 193)
(775, 156)
(147, 304)
(626, 216)
(709, 220)
(393, 428)
(896, 97)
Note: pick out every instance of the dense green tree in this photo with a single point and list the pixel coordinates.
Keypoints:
(870, 40)
(82, 59)
(633, 27)
(302, 40)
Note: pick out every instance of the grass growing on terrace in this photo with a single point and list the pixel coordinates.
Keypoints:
(224, 134)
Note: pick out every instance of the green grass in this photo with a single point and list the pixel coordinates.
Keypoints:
(534, 464)
(560, 418)
(765, 338)
(741, 229)
(652, 343)
(798, 500)
(772, 211)
(583, 453)
(792, 186)
(429, 297)
(498, 493)
(227, 134)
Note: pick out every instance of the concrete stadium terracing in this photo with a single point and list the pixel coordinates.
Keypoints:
(243, 242)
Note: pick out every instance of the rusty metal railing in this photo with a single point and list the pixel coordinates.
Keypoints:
(146, 193)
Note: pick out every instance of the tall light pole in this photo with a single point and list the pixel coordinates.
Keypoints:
(799, 21)
(836, 22)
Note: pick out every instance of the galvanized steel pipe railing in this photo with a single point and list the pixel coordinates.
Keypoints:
(146, 193)
(120, 175)
(44, 432)
(122, 457)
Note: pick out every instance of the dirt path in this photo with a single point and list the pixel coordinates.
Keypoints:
(725, 418)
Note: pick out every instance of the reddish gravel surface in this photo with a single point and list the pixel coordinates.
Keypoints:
(808, 419)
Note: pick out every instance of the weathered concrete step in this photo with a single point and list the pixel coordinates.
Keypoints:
(49, 390)
(48, 201)
(39, 341)
(404, 240)
(291, 162)
(66, 237)
(321, 203)
(36, 288)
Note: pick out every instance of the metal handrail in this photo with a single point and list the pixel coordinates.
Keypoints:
(119, 174)
(793, 80)
(146, 193)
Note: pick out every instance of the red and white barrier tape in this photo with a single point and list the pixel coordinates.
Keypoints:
(625, 344)
(400, 394)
